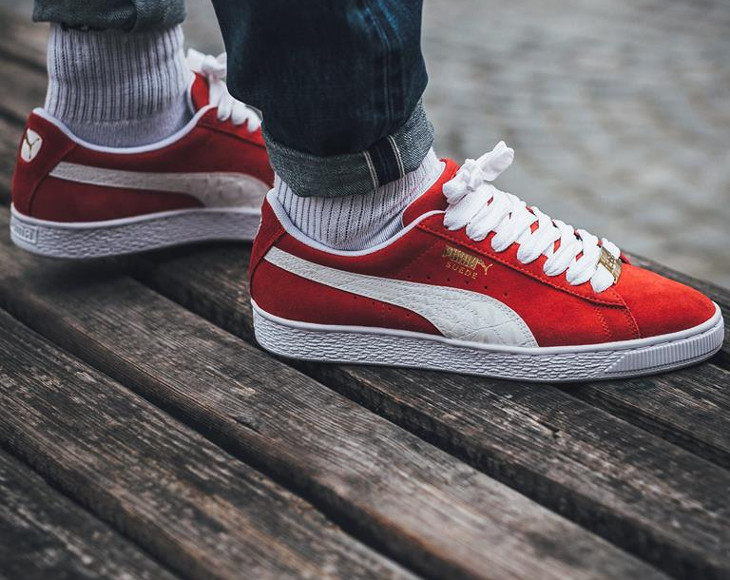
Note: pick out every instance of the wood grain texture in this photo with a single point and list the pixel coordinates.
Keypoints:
(600, 471)
(690, 407)
(424, 507)
(195, 508)
(46, 535)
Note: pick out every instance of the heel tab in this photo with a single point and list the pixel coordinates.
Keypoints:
(270, 231)
(51, 130)
(41, 146)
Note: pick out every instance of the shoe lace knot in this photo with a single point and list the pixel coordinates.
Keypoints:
(214, 70)
(477, 205)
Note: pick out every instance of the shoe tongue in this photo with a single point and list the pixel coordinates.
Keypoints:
(200, 92)
(433, 198)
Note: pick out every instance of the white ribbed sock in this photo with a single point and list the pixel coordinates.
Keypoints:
(116, 88)
(358, 221)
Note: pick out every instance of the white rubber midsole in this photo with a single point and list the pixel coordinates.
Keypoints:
(135, 234)
(382, 346)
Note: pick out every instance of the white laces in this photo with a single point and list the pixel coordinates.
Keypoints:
(476, 204)
(214, 69)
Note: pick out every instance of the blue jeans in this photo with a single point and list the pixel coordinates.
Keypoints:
(339, 82)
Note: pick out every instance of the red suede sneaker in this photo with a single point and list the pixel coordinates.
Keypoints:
(478, 283)
(72, 199)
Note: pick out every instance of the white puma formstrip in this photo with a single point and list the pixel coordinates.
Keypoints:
(211, 189)
(457, 314)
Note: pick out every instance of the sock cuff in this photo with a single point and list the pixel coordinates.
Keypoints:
(423, 176)
(354, 222)
(112, 75)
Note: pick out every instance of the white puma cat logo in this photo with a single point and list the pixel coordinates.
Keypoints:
(31, 146)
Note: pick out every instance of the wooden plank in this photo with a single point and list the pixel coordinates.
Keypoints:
(690, 407)
(615, 479)
(46, 535)
(422, 506)
(194, 507)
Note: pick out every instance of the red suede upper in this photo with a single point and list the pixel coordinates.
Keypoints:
(640, 305)
(27, 177)
(211, 146)
(660, 305)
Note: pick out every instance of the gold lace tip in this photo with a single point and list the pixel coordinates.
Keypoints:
(611, 263)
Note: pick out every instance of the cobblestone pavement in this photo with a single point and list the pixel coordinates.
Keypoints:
(619, 112)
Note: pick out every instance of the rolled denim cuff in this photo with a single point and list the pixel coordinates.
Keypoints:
(355, 173)
(127, 15)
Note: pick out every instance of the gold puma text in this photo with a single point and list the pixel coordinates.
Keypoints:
(464, 263)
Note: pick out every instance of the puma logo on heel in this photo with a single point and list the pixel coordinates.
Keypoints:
(31, 145)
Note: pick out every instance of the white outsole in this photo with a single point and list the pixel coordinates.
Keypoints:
(379, 346)
(132, 235)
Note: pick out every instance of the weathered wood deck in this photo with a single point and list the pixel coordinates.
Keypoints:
(144, 435)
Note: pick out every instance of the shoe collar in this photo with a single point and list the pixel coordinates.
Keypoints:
(177, 136)
(300, 236)
(433, 199)
(431, 203)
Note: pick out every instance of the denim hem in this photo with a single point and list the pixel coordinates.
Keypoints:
(356, 173)
(129, 15)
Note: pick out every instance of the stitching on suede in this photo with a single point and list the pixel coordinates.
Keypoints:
(267, 247)
(514, 267)
(603, 322)
(34, 193)
(414, 260)
(626, 311)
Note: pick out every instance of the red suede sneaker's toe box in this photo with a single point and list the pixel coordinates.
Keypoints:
(659, 305)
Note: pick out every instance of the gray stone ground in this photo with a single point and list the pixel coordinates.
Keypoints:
(619, 112)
